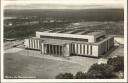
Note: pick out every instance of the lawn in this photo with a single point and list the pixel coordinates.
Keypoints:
(28, 66)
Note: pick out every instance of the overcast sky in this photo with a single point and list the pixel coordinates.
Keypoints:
(62, 4)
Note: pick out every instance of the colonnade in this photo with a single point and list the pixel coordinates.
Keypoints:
(49, 49)
(81, 49)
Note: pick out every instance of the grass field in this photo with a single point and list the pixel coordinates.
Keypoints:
(27, 66)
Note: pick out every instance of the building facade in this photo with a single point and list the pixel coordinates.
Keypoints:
(69, 43)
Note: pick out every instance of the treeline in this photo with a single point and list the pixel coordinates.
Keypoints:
(71, 15)
(111, 28)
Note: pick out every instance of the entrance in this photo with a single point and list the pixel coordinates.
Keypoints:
(53, 50)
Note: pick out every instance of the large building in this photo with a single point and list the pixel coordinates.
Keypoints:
(71, 42)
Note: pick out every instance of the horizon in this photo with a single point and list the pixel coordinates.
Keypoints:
(72, 9)
(63, 4)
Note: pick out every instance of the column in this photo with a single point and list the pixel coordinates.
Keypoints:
(75, 48)
(45, 48)
(26, 43)
(42, 49)
(58, 50)
(38, 44)
(85, 49)
(88, 49)
(67, 52)
(33, 44)
(82, 49)
(78, 48)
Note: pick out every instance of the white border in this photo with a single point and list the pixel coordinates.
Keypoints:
(69, 80)
(125, 40)
(1, 36)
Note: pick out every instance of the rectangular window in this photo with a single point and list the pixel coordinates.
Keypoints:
(83, 49)
(60, 50)
(71, 45)
(90, 50)
(48, 49)
(73, 48)
(29, 44)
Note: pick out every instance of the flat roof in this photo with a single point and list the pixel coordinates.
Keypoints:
(73, 31)
(62, 42)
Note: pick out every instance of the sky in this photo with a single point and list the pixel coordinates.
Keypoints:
(62, 4)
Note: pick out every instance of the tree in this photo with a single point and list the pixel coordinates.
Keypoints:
(80, 75)
(64, 76)
(100, 71)
(117, 63)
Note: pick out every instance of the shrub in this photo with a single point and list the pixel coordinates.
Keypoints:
(80, 75)
(64, 76)
(117, 63)
(101, 71)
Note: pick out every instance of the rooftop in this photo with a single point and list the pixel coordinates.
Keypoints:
(62, 42)
(73, 31)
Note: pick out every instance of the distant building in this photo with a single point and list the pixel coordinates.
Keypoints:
(71, 42)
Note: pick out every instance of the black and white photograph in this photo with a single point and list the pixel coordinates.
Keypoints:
(63, 40)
